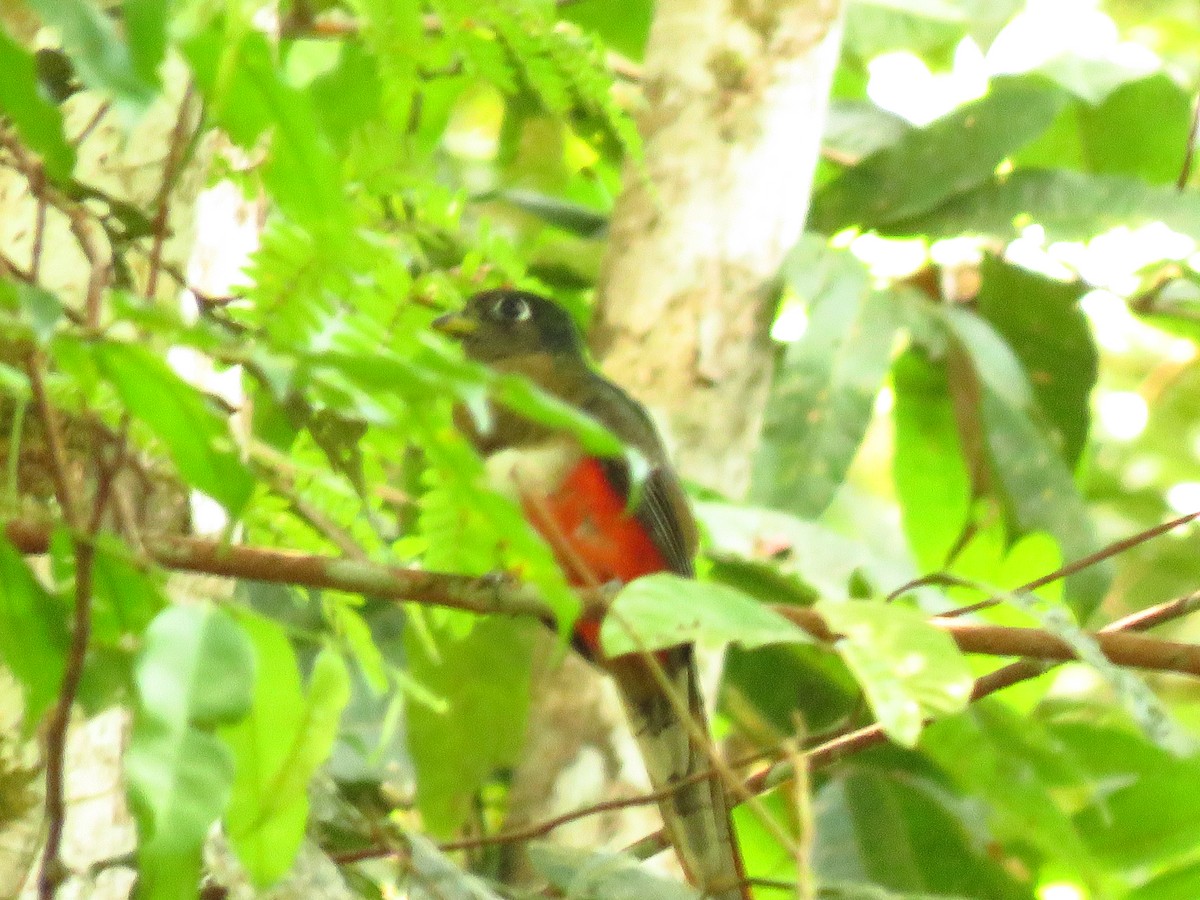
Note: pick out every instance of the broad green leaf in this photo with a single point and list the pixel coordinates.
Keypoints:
(1177, 883)
(588, 875)
(277, 748)
(623, 25)
(1040, 320)
(909, 670)
(932, 481)
(1138, 130)
(1035, 485)
(963, 147)
(102, 59)
(178, 781)
(195, 668)
(1071, 206)
(998, 756)
(348, 96)
(834, 565)
(146, 26)
(665, 610)
(196, 437)
(248, 96)
(436, 877)
(125, 598)
(42, 309)
(824, 391)
(858, 128)
(38, 121)
(484, 678)
(33, 633)
(898, 831)
(194, 672)
(1141, 812)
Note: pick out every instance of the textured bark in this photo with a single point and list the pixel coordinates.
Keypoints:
(737, 94)
(736, 97)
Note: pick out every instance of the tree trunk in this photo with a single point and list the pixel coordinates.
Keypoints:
(736, 94)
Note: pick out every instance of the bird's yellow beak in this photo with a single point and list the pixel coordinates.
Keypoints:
(456, 325)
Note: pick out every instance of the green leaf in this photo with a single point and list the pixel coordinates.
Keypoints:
(587, 875)
(484, 678)
(665, 610)
(248, 96)
(1040, 320)
(43, 310)
(38, 121)
(33, 633)
(622, 24)
(100, 56)
(1035, 485)
(1179, 883)
(858, 128)
(194, 672)
(834, 565)
(146, 25)
(196, 437)
(963, 147)
(1138, 130)
(195, 668)
(1071, 206)
(436, 877)
(1141, 813)
(909, 670)
(277, 748)
(824, 392)
(125, 598)
(932, 482)
(998, 756)
(898, 831)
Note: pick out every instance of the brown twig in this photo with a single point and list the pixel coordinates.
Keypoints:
(162, 203)
(1113, 549)
(50, 872)
(543, 828)
(93, 122)
(1189, 152)
(498, 596)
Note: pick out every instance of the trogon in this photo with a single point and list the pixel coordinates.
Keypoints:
(605, 528)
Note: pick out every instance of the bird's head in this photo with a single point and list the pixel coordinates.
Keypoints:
(506, 325)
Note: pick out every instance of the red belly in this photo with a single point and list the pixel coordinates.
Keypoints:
(594, 536)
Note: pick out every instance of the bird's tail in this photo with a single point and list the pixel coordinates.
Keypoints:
(696, 814)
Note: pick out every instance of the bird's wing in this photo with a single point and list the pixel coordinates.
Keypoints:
(659, 502)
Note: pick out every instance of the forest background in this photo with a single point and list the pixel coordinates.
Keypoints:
(911, 286)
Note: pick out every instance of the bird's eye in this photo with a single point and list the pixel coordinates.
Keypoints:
(511, 309)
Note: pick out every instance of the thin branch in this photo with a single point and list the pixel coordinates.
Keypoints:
(59, 470)
(1189, 151)
(543, 828)
(1132, 650)
(52, 869)
(50, 873)
(491, 595)
(93, 122)
(170, 175)
(1113, 549)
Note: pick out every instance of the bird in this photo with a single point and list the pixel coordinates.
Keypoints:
(606, 525)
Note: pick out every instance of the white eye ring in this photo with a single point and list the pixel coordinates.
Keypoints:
(511, 309)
